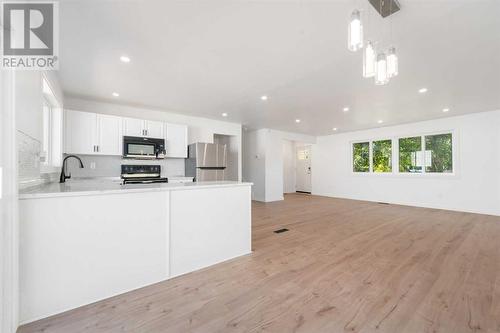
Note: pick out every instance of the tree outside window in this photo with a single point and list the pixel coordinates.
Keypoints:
(382, 156)
(439, 153)
(410, 154)
(361, 157)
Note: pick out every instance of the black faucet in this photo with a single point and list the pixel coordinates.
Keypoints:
(63, 176)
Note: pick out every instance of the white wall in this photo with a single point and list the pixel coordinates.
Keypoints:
(254, 162)
(29, 101)
(267, 145)
(289, 166)
(200, 129)
(29, 124)
(9, 226)
(474, 188)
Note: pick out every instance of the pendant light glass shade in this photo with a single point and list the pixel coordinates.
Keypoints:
(381, 77)
(355, 38)
(392, 62)
(369, 60)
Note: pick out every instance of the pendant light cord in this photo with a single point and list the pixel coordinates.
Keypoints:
(392, 18)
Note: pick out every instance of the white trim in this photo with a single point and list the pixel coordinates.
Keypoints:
(9, 228)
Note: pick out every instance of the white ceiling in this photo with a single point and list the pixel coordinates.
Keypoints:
(208, 57)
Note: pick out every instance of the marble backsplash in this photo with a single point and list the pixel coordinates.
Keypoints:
(28, 157)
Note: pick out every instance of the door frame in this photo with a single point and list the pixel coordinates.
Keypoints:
(297, 147)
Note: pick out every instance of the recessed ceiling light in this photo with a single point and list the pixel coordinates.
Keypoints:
(115, 94)
(297, 121)
(345, 109)
(264, 98)
(335, 128)
(224, 114)
(380, 121)
(446, 109)
(422, 90)
(124, 58)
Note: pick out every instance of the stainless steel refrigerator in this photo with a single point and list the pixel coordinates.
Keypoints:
(206, 162)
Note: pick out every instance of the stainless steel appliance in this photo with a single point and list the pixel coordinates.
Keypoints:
(142, 174)
(206, 162)
(143, 148)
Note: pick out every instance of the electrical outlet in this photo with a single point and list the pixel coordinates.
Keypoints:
(92, 165)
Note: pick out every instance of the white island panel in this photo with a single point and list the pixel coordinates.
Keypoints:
(77, 250)
(208, 226)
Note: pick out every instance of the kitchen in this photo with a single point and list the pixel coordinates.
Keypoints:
(120, 214)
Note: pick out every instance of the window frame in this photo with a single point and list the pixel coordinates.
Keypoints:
(369, 157)
(395, 155)
(54, 104)
(392, 156)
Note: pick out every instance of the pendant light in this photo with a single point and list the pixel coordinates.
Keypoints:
(392, 62)
(369, 60)
(355, 38)
(381, 70)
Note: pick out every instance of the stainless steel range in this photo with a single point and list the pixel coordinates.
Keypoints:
(142, 174)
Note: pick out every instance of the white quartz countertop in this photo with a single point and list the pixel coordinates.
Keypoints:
(108, 186)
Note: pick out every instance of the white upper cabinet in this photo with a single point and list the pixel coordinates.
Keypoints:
(98, 134)
(92, 134)
(146, 128)
(154, 129)
(110, 135)
(133, 127)
(80, 132)
(176, 140)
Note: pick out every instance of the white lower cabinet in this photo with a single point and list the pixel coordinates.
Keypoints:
(79, 248)
(92, 134)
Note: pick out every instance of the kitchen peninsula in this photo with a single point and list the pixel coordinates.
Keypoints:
(82, 242)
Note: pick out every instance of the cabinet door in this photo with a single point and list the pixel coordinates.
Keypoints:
(176, 140)
(110, 135)
(133, 127)
(80, 132)
(154, 129)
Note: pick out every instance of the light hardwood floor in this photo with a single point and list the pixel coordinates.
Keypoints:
(344, 266)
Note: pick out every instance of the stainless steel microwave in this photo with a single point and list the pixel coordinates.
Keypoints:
(143, 148)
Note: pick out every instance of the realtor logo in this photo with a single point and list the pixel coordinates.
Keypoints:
(30, 35)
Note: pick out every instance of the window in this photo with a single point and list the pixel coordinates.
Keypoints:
(439, 153)
(51, 154)
(361, 157)
(410, 154)
(426, 154)
(416, 154)
(382, 156)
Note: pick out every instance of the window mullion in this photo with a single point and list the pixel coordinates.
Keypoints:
(371, 156)
(423, 153)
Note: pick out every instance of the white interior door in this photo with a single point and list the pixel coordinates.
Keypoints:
(303, 173)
